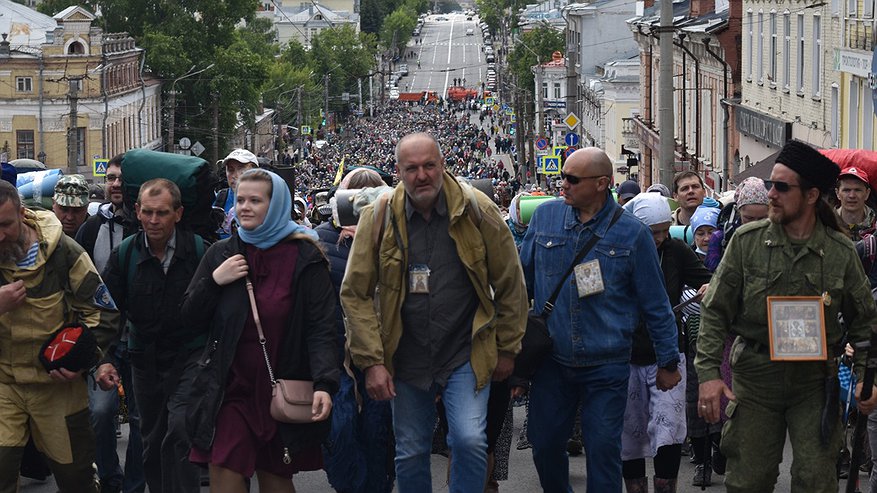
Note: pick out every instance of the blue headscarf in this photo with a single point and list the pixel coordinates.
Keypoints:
(278, 222)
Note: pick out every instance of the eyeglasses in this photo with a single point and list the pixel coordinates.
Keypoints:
(781, 186)
(574, 180)
(112, 178)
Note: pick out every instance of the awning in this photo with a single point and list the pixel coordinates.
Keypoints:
(761, 169)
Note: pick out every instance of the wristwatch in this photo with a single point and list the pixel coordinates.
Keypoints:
(671, 366)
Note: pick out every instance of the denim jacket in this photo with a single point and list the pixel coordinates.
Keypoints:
(598, 329)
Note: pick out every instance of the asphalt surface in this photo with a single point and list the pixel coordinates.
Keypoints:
(446, 53)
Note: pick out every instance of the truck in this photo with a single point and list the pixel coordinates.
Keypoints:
(418, 97)
(460, 93)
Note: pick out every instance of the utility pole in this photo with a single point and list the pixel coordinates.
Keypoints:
(666, 122)
(215, 127)
(371, 96)
(72, 129)
(359, 87)
(298, 122)
(326, 97)
(169, 146)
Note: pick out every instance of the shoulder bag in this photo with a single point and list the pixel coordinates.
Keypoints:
(537, 344)
(291, 400)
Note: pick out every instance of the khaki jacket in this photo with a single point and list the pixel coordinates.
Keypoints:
(491, 260)
(63, 286)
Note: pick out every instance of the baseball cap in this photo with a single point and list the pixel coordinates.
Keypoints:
(71, 191)
(241, 156)
(855, 173)
(628, 189)
(73, 347)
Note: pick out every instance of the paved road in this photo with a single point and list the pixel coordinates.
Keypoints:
(446, 53)
(522, 475)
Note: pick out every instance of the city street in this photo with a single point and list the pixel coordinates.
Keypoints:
(446, 53)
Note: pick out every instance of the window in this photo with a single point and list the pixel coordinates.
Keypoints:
(24, 84)
(773, 49)
(760, 66)
(787, 50)
(749, 50)
(851, 7)
(869, 8)
(557, 90)
(24, 144)
(800, 57)
(853, 124)
(817, 55)
(544, 90)
(835, 7)
(80, 142)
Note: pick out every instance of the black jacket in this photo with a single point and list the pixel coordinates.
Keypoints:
(337, 254)
(309, 348)
(681, 268)
(152, 304)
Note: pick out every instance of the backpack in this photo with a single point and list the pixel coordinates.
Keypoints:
(192, 175)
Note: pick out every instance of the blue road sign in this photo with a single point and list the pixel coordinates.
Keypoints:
(541, 143)
(571, 139)
(551, 165)
(569, 150)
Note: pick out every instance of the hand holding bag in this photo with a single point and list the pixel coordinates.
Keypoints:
(291, 400)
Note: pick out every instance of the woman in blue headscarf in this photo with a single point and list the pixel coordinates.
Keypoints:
(228, 416)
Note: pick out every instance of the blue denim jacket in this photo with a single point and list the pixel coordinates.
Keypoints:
(598, 329)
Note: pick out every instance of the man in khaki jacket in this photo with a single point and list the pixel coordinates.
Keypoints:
(450, 315)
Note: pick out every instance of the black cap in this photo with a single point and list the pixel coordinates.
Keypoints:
(73, 347)
(628, 189)
(810, 164)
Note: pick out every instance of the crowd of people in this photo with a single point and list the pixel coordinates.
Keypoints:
(409, 326)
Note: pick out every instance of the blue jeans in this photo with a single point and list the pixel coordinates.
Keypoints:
(414, 415)
(554, 394)
(104, 407)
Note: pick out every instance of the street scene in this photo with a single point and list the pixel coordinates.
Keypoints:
(411, 246)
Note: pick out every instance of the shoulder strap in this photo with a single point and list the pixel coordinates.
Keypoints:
(870, 244)
(128, 257)
(474, 208)
(221, 197)
(549, 303)
(380, 220)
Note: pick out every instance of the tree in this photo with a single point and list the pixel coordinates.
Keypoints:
(542, 41)
(285, 83)
(397, 28)
(345, 57)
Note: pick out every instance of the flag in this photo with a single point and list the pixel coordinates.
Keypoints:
(340, 172)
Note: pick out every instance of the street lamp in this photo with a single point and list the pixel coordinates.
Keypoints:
(173, 104)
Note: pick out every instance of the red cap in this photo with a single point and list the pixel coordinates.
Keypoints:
(855, 173)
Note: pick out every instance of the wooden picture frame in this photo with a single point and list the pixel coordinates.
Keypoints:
(797, 328)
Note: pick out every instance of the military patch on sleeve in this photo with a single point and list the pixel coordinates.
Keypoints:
(102, 298)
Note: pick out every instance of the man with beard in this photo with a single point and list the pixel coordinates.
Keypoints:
(70, 203)
(688, 190)
(799, 251)
(47, 282)
(100, 234)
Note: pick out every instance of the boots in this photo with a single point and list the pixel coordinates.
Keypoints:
(703, 475)
(664, 485)
(637, 485)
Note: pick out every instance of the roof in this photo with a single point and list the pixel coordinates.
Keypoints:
(302, 15)
(707, 23)
(26, 27)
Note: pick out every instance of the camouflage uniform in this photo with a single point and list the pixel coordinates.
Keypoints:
(71, 191)
(776, 396)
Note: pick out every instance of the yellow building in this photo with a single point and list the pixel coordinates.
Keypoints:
(52, 68)
(854, 122)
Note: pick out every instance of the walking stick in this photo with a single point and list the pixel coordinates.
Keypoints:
(862, 422)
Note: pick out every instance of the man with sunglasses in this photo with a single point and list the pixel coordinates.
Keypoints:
(593, 321)
(799, 251)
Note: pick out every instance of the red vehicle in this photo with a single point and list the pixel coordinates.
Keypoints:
(460, 93)
(418, 97)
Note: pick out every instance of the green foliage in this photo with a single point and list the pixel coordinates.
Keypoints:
(259, 35)
(397, 28)
(282, 91)
(542, 41)
(371, 15)
(295, 54)
(52, 7)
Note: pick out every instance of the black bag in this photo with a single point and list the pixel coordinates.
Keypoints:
(537, 343)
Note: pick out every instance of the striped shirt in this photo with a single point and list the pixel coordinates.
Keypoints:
(30, 259)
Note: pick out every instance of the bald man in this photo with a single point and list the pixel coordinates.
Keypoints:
(600, 303)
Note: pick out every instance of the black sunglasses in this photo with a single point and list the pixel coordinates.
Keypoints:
(574, 180)
(781, 186)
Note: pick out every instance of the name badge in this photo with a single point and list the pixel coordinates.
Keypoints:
(589, 278)
(418, 279)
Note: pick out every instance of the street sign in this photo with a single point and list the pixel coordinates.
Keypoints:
(185, 143)
(197, 148)
(305, 130)
(99, 167)
(495, 107)
(569, 151)
(489, 101)
(571, 139)
(551, 165)
(509, 111)
(541, 143)
(571, 121)
(558, 150)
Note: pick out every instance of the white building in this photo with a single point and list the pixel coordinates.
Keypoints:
(304, 21)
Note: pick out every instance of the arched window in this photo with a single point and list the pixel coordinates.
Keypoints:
(76, 48)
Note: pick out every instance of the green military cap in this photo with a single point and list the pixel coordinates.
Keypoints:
(71, 191)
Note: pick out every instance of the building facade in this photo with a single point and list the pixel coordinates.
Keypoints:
(852, 119)
(53, 68)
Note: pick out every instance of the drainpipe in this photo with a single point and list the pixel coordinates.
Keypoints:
(142, 99)
(681, 44)
(42, 100)
(103, 90)
(727, 115)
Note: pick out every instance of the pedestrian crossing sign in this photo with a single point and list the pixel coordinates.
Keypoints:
(99, 167)
(558, 150)
(489, 101)
(551, 165)
(305, 130)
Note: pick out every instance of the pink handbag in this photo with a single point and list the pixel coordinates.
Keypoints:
(291, 400)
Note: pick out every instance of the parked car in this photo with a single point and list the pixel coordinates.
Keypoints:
(403, 69)
(470, 32)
